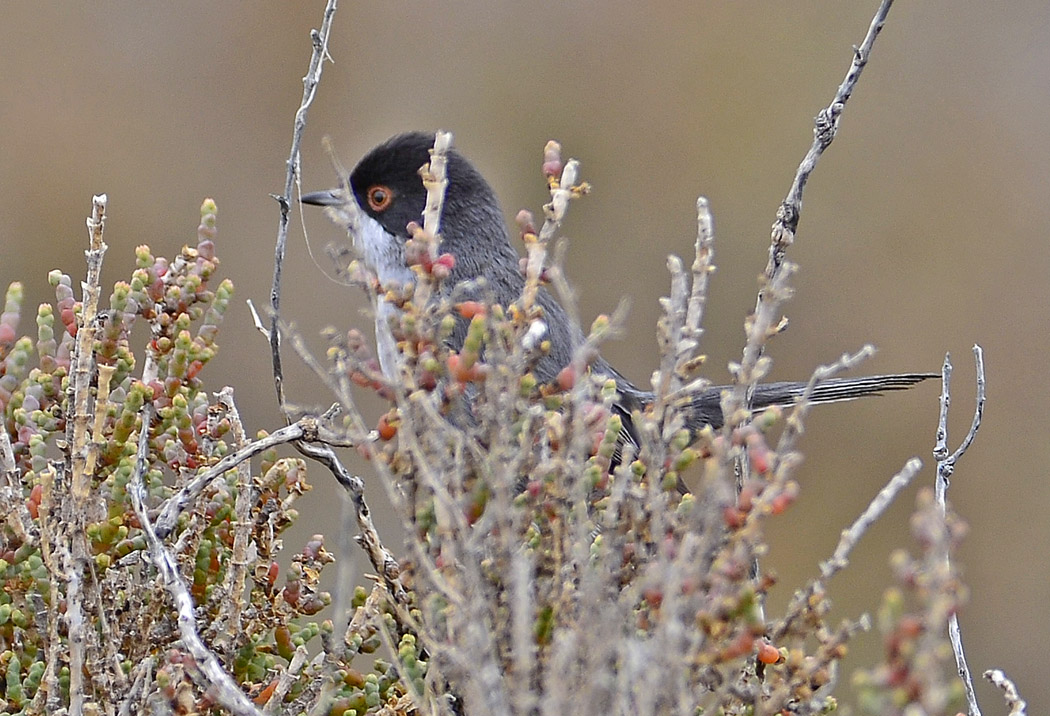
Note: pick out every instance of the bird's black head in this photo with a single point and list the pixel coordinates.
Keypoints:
(389, 190)
(386, 182)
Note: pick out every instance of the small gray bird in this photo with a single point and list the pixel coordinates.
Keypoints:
(386, 187)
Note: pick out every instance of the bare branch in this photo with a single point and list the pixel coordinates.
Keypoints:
(775, 289)
(213, 677)
(824, 132)
(851, 536)
(229, 620)
(945, 469)
(849, 539)
(435, 181)
(310, 82)
(703, 266)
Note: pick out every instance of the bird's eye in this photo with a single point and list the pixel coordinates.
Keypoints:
(379, 197)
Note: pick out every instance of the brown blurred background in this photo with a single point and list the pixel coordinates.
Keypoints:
(924, 228)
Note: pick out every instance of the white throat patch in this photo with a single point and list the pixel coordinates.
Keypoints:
(385, 255)
(381, 252)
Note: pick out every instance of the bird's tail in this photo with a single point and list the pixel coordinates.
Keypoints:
(706, 406)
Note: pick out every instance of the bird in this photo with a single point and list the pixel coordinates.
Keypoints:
(386, 186)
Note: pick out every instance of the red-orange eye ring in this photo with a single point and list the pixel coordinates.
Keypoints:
(379, 197)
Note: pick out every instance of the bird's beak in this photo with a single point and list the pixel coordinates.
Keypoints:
(339, 207)
(329, 197)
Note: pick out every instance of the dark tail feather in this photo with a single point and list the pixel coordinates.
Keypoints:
(835, 389)
(707, 406)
